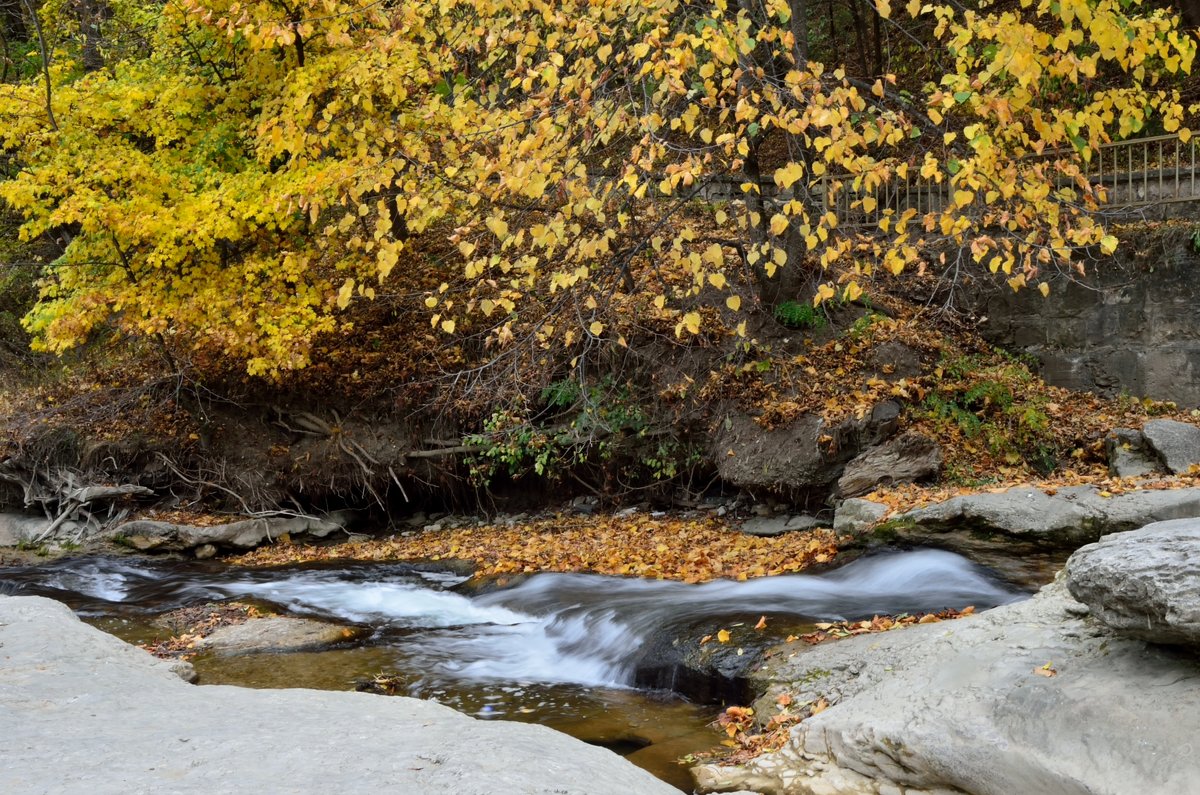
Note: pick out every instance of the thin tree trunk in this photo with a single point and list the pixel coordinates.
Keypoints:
(37, 27)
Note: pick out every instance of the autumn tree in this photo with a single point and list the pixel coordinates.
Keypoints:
(260, 164)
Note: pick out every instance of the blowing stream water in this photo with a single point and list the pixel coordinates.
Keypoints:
(560, 649)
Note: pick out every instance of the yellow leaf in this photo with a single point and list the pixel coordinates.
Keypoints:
(498, 227)
(789, 175)
(717, 280)
(597, 328)
(723, 636)
(1108, 244)
(734, 302)
(852, 292)
(779, 224)
(963, 197)
(345, 294)
(1044, 289)
(448, 326)
(714, 255)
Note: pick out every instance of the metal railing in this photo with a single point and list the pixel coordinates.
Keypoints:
(1127, 176)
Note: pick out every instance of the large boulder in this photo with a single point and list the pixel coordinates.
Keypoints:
(1027, 698)
(1144, 583)
(805, 455)
(115, 720)
(1176, 443)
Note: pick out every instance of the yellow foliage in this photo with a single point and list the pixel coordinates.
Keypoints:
(233, 183)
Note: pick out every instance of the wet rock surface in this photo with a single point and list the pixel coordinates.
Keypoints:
(277, 634)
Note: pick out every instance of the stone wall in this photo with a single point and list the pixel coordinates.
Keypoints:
(1130, 325)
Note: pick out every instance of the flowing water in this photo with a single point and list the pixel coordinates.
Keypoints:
(559, 649)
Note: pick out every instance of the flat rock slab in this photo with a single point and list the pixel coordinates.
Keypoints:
(966, 706)
(146, 535)
(1144, 583)
(83, 712)
(778, 525)
(277, 634)
(1066, 518)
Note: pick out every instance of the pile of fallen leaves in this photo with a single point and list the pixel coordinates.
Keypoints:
(186, 517)
(845, 629)
(691, 550)
(743, 743)
(189, 625)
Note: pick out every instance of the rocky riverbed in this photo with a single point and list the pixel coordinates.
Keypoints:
(1049, 695)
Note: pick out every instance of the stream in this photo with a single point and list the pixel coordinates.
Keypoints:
(564, 650)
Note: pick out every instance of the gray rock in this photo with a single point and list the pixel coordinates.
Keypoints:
(183, 669)
(804, 455)
(765, 526)
(205, 551)
(966, 707)
(778, 525)
(858, 515)
(1176, 443)
(1064, 519)
(801, 522)
(19, 528)
(1144, 583)
(903, 459)
(1128, 455)
(276, 634)
(152, 536)
(115, 720)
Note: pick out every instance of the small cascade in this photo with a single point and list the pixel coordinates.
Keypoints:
(580, 629)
